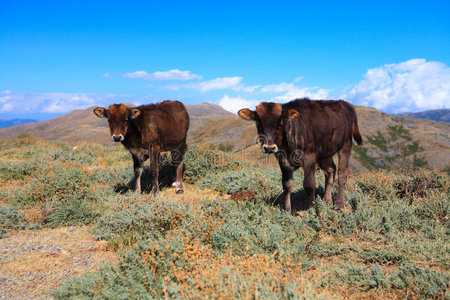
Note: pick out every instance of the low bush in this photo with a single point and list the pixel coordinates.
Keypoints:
(19, 170)
(422, 282)
(361, 277)
(65, 154)
(201, 160)
(65, 195)
(10, 218)
(266, 184)
(420, 183)
(381, 257)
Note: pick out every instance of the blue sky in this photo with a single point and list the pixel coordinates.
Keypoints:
(61, 55)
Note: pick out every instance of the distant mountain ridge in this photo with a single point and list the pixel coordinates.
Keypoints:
(211, 124)
(441, 115)
(14, 122)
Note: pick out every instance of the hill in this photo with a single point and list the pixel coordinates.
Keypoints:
(442, 115)
(391, 141)
(81, 126)
(14, 122)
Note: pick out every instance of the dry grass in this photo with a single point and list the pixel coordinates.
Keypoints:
(33, 262)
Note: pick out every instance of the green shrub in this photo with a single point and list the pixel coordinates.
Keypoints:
(65, 194)
(423, 282)
(266, 184)
(361, 277)
(420, 183)
(142, 219)
(201, 160)
(326, 250)
(381, 256)
(55, 183)
(10, 218)
(227, 226)
(71, 210)
(17, 170)
(65, 154)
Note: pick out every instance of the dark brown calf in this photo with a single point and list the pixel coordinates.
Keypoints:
(147, 130)
(303, 133)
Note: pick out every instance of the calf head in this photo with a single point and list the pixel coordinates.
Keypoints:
(118, 116)
(269, 118)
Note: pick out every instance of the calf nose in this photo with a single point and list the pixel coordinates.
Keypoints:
(117, 138)
(269, 149)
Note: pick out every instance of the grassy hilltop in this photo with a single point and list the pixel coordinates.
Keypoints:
(225, 237)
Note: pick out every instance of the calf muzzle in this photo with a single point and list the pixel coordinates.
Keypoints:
(269, 148)
(117, 138)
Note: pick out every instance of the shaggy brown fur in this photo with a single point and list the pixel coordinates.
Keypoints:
(303, 133)
(147, 130)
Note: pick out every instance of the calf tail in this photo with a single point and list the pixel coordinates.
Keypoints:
(355, 130)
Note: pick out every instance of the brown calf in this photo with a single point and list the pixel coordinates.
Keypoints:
(147, 130)
(305, 133)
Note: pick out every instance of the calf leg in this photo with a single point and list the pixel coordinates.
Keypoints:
(137, 165)
(287, 175)
(309, 183)
(328, 166)
(344, 158)
(286, 180)
(154, 167)
(177, 161)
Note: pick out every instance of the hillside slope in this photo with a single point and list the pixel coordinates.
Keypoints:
(212, 124)
(82, 126)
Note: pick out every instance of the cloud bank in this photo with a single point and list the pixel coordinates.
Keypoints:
(171, 75)
(52, 103)
(282, 93)
(414, 85)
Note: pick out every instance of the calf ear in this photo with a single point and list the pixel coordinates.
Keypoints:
(101, 112)
(290, 114)
(134, 113)
(247, 114)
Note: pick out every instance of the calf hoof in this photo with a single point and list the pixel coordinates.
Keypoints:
(178, 187)
(338, 207)
(328, 200)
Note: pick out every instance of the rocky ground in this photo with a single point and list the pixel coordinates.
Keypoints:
(35, 262)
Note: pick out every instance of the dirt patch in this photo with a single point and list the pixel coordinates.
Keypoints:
(244, 196)
(33, 262)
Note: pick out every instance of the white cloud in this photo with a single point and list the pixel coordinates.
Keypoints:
(49, 102)
(6, 107)
(414, 85)
(173, 74)
(288, 91)
(107, 75)
(276, 88)
(136, 74)
(291, 91)
(233, 104)
(299, 92)
(220, 83)
(251, 88)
